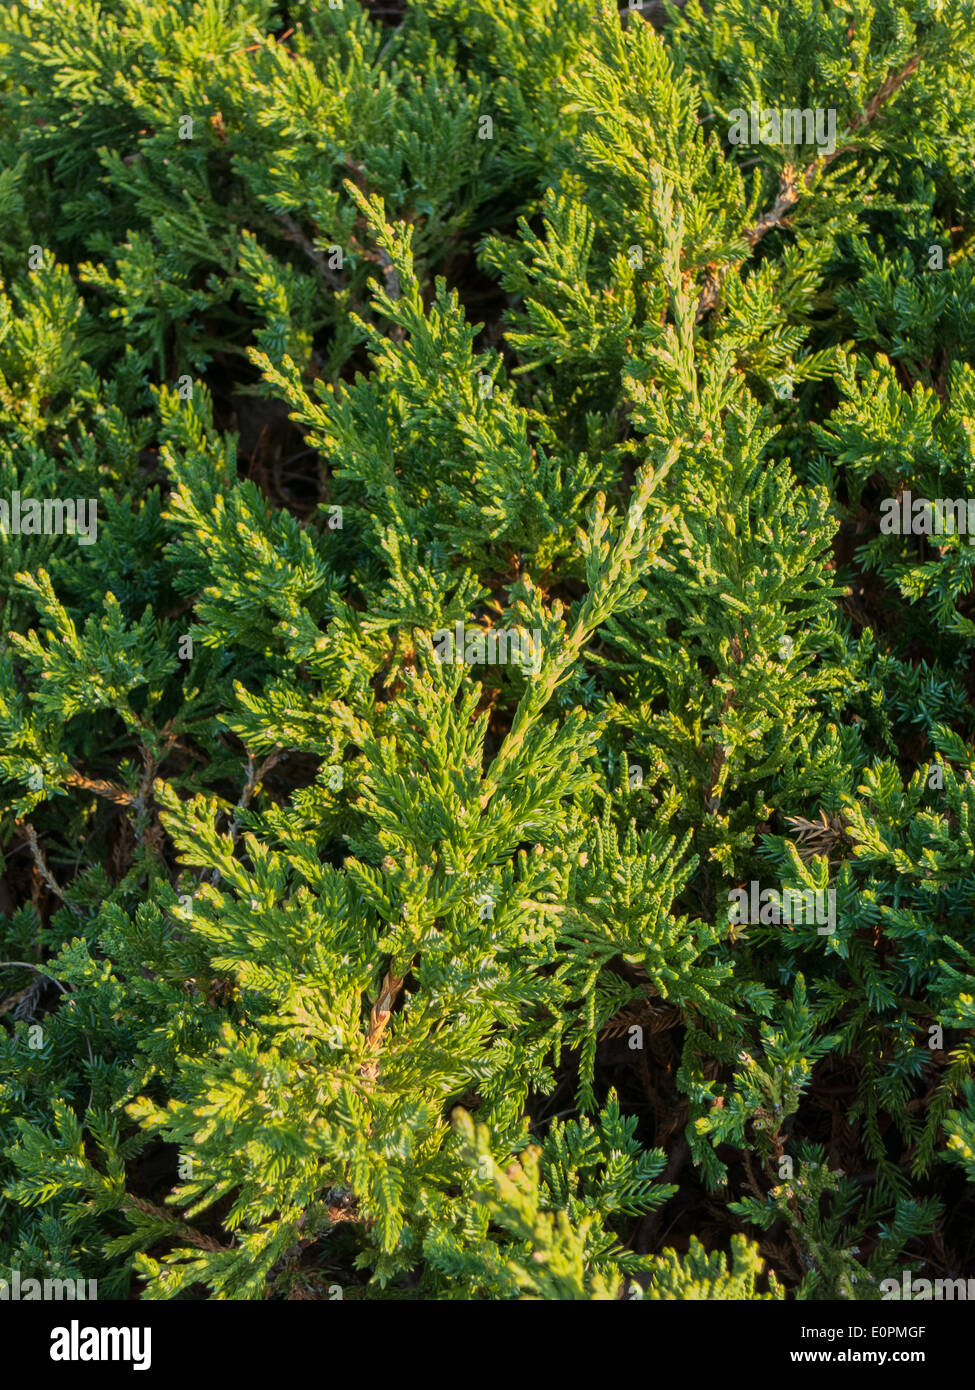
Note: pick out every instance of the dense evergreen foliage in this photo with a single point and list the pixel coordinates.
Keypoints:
(331, 967)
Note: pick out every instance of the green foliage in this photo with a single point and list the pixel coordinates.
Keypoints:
(333, 956)
(702, 1277)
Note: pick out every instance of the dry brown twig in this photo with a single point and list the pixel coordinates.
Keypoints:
(40, 864)
(639, 1015)
(818, 837)
(186, 1232)
(110, 790)
(23, 1001)
(378, 1019)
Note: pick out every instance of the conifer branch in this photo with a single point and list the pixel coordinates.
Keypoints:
(792, 182)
